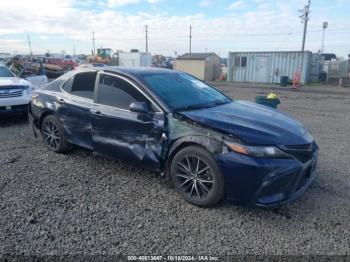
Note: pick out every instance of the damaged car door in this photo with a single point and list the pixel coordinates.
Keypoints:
(126, 124)
(73, 107)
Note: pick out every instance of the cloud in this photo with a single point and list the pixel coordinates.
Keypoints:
(236, 5)
(64, 24)
(153, 2)
(15, 44)
(116, 3)
(113, 3)
(43, 37)
(205, 3)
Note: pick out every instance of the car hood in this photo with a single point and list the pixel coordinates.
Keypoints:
(13, 81)
(253, 123)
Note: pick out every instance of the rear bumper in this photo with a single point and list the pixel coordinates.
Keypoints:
(265, 182)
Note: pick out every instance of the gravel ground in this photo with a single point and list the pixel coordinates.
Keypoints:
(81, 203)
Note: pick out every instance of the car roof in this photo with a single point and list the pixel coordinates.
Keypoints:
(138, 71)
(134, 72)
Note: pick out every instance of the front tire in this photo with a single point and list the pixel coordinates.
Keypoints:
(196, 176)
(53, 135)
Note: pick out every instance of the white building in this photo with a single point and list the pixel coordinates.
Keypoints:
(134, 59)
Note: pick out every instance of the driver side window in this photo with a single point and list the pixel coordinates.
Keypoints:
(116, 92)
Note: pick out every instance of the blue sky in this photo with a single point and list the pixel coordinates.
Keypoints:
(218, 25)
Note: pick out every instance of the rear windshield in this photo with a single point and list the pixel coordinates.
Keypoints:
(5, 72)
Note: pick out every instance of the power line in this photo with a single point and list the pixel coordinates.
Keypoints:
(340, 30)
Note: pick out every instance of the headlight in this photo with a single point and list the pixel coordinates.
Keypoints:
(256, 151)
(29, 89)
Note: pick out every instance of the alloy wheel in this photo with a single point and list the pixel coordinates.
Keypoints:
(51, 135)
(193, 177)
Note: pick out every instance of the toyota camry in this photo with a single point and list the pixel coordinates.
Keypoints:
(209, 146)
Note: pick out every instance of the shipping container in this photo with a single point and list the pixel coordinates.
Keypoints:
(268, 67)
(135, 59)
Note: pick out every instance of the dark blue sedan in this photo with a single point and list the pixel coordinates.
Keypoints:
(209, 146)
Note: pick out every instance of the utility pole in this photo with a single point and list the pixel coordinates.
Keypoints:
(93, 42)
(324, 26)
(146, 28)
(30, 46)
(190, 39)
(305, 19)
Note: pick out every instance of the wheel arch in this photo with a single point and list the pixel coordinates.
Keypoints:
(210, 144)
(44, 114)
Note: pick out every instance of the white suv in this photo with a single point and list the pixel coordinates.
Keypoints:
(15, 92)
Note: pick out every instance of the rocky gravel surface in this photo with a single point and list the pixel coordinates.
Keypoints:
(80, 203)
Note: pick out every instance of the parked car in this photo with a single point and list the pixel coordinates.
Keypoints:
(210, 146)
(15, 93)
(64, 64)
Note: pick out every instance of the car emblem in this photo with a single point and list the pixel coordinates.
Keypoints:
(6, 91)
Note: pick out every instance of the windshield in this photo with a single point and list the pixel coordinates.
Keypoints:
(184, 92)
(4, 72)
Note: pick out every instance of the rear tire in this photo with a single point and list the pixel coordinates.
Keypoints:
(53, 136)
(196, 176)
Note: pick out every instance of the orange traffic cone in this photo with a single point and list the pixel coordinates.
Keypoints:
(296, 80)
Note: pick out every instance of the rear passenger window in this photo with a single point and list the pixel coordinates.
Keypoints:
(83, 85)
(115, 92)
(67, 86)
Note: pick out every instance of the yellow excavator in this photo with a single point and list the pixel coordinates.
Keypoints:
(104, 55)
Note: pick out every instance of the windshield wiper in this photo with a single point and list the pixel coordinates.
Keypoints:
(217, 102)
(190, 107)
(204, 105)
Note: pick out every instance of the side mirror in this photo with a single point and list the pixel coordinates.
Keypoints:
(139, 107)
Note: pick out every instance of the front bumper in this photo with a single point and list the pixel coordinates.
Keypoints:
(265, 182)
(14, 105)
(16, 109)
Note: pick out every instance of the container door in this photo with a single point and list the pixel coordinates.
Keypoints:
(261, 70)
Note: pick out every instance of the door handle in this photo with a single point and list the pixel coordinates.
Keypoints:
(61, 101)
